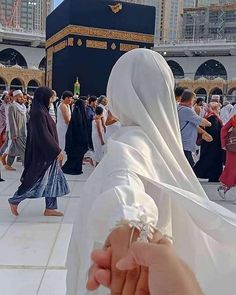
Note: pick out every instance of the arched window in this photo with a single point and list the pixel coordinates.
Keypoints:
(42, 65)
(32, 86)
(232, 91)
(232, 94)
(216, 91)
(201, 92)
(3, 85)
(176, 69)
(10, 57)
(16, 84)
(211, 69)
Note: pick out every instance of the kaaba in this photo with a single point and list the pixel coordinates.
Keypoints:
(86, 37)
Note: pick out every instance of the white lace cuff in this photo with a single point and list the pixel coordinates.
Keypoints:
(137, 218)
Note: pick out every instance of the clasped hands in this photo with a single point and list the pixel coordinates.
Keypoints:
(141, 269)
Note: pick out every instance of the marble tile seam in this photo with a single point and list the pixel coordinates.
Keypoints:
(33, 267)
(51, 252)
(6, 231)
(12, 223)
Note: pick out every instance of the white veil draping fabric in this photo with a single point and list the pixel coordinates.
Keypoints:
(140, 89)
(225, 113)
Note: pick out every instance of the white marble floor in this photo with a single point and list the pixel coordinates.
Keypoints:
(33, 248)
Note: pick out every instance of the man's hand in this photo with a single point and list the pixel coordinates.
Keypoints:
(168, 275)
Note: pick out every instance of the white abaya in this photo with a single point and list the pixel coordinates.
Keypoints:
(145, 171)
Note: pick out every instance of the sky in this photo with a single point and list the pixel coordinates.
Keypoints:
(57, 2)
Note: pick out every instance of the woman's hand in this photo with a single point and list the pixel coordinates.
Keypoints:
(60, 157)
(105, 272)
(207, 137)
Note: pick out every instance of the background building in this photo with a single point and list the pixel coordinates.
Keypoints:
(210, 22)
(29, 15)
(198, 3)
(189, 3)
(22, 43)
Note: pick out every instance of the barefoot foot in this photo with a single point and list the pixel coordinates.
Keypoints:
(9, 168)
(49, 212)
(3, 159)
(14, 209)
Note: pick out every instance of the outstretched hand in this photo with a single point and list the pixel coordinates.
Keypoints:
(168, 274)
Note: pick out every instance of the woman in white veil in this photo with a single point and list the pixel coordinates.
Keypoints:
(146, 173)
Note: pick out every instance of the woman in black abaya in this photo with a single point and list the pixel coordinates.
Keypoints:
(76, 140)
(210, 164)
(42, 176)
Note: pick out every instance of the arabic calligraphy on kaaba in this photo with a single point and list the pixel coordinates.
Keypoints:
(96, 44)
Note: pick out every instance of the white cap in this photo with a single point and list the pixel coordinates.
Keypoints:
(5, 92)
(17, 92)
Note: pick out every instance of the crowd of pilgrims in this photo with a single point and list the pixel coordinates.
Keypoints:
(83, 126)
(76, 130)
(76, 127)
(205, 129)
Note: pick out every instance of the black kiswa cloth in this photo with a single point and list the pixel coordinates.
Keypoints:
(42, 141)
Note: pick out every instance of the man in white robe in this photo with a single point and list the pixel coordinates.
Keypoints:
(17, 128)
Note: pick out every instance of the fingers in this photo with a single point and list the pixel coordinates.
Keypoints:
(143, 254)
(102, 258)
(103, 277)
(98, 275)
(120, 245)
(131, 281)
(92, 283)
(117, 276)
(142, 285)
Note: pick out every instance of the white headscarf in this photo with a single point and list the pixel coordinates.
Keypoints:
(141, 93)
(141, 90)
(225, 113)
(233, 111)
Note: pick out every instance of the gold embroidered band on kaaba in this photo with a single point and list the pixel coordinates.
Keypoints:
(100, 33)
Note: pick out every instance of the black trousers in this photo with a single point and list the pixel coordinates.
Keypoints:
(189, 157)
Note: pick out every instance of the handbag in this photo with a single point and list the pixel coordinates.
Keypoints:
(231, 141)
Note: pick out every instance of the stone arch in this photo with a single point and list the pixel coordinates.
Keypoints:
(232, 91)
(200, 91)
(232, 94)
(3, 84)
(16, 84)
(32, 86)
(176, 69)
(42, 64)
(10, 57)
(216, 91)
(211, 69)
